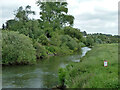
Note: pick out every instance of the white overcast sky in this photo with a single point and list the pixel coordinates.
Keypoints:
(93, 16)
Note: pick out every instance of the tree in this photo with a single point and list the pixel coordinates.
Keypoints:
(22, 14)
(84, 33)
(89, 41)
(54, 14)
(13, 25)
(24, 24)
(3, 27)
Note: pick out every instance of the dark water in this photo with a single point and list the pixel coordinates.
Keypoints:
(42, 75)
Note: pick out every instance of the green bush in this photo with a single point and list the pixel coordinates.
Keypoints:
(43, 40)
(55, 39)
(50, 49)
(70, 42)
(89, 41)
(82, 44)
(17, 48)
(73, 32)
(61, 75)
(40, 50)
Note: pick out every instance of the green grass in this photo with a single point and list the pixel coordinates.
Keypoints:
(90, 72)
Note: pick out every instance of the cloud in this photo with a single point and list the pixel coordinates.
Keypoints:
(95, 15)
(90, 15)
(8, 7)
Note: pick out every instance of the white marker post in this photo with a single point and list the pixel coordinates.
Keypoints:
(105, 63)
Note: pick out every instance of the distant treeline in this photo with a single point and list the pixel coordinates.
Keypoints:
(99, 38)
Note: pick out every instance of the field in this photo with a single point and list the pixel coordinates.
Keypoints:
(90, 72)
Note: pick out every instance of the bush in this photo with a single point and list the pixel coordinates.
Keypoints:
(50, 49)
(73, 32)
(55, 39)
(89, 41)
(82, 44)
(61, 74)
(40, 50)
(43, 40)
(17, 48)
(70, 42)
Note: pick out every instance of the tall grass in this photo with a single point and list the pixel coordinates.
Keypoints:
(90, 72)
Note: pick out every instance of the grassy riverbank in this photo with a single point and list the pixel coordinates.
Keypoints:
(90, 72)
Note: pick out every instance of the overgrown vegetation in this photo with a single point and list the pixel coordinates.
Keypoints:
(17, 48)
(99, 38)
(51, 34)
(48, 35)
(90, 72)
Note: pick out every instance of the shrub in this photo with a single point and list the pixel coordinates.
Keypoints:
(70, 42)
(81, 44)
(43, 40)
(17, 48)
(40, 50)
(73, 32)
(61, 74)
(89, 41)
(55, 39)
(50, 49)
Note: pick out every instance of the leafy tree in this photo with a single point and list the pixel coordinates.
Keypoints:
(24, 24)
(54, 14)
(13, 25)
(89, 41)
(17, 48)
(84, 33)
(3, 27)
(22, 15)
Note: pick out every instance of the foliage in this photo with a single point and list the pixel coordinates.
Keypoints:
(70, 42)
(17, 48)
(43, 40)
(61, 75)
(50, 49)
(29, 28)
(41, 52)
(100, 38)
(73, 32)
(22, 15)
(90, 72)
(54, 14)
(47, 33)
(55, 39)
(89, 41)
(53, 32)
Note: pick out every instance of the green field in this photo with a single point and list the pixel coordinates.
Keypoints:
(90, 72)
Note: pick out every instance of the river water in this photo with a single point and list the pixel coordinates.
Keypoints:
(42, 75)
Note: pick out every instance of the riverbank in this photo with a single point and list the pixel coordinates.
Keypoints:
(44, 74)
(90, 72)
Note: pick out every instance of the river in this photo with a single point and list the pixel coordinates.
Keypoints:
(42, 75)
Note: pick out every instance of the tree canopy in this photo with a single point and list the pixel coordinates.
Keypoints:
(55, 14)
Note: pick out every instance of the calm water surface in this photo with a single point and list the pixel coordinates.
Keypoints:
(42, 75)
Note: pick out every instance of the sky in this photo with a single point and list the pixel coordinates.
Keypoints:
(92, 16)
